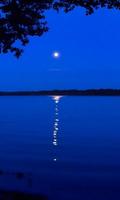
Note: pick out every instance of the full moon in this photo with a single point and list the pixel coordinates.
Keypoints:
(56, 54)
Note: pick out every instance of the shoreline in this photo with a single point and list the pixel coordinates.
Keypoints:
(89, 92)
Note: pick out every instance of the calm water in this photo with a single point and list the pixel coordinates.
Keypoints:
(64, 148)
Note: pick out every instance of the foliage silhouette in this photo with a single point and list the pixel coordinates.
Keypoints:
(20, 19)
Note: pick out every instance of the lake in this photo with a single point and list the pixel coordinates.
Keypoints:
(61, 147)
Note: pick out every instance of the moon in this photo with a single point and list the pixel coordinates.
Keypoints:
(56, 54)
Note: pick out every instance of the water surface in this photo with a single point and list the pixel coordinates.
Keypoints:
(64, 148)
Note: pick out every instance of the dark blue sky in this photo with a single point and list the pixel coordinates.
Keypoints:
(90, 54)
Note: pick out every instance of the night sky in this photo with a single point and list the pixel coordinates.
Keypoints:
(89, 49)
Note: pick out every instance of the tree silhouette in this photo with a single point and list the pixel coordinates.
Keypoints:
(20, 19)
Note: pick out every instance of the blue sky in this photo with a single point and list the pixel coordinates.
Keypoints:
(89, 48)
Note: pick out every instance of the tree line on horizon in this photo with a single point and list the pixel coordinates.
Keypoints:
(22, 19)
(69, 92)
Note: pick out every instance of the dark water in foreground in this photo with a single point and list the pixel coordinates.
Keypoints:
(67, 148)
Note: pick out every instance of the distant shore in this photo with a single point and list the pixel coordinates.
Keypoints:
(89, 92)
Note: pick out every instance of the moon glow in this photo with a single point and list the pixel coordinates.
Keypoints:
(56, 54)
